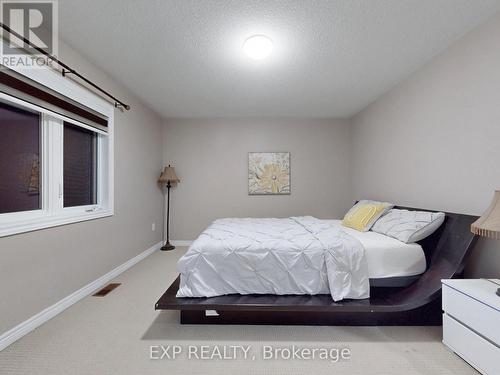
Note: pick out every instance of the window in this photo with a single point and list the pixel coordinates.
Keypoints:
(19, 159)
(80, 166)
(55, 168)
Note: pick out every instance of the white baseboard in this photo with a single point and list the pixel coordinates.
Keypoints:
(181, 242)
(37, 320)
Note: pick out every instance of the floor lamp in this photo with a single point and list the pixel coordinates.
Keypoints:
(168, 177)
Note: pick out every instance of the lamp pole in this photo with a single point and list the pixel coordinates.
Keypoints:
(168, 246)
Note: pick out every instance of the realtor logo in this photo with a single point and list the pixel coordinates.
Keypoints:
(34, 20)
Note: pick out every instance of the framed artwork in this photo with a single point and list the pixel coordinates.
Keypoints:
(268, 173)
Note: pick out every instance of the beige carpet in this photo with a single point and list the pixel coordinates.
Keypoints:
(113, 335)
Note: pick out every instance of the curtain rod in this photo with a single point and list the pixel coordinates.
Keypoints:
(65, 68)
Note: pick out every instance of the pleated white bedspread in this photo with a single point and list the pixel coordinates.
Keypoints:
(297, 255)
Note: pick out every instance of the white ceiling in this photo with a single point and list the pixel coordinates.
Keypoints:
(330, 58)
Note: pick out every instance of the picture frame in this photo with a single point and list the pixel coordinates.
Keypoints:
(269, 173)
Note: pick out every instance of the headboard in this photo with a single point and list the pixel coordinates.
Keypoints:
(446, 251)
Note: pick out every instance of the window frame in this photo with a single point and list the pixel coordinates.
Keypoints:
(52, 212)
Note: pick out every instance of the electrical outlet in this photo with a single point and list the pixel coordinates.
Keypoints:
(153, 226)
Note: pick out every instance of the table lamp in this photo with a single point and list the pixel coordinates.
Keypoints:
(488, 225)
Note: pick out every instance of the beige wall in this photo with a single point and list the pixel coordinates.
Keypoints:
(39, 268)
(434, 141)
(210, 157)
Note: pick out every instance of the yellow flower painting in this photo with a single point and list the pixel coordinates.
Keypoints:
(268, 173)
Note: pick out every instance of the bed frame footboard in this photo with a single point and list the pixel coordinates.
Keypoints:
(429, 315)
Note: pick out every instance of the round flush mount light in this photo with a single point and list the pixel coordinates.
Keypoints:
(258, 47)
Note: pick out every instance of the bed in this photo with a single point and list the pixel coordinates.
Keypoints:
(410, 275)
(297, 255)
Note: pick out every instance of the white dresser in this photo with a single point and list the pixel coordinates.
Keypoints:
(471, 322)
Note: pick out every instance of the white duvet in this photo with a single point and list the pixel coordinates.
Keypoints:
(297, 255)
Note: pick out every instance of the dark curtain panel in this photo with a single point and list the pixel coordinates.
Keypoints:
(19, 159)
(80, 156)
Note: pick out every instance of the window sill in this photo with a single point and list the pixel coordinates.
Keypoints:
(44, 222)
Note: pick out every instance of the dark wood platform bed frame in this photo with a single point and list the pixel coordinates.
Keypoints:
(416, 304)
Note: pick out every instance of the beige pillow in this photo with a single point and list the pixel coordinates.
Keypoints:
(364, 214)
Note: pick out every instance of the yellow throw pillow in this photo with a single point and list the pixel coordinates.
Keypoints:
(364, 214)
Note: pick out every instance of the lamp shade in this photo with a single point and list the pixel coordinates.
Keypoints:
(488, 225)
(168, 175)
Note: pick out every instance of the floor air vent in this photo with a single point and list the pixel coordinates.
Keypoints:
(108, 288)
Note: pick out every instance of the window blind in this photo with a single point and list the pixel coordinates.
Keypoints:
(23, 88)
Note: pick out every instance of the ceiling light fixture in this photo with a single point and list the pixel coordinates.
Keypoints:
(258, 47)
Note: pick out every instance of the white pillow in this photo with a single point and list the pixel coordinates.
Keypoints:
(408, 226)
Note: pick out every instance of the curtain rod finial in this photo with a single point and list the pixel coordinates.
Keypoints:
(122, 106)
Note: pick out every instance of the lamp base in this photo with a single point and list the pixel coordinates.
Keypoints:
(167, 247)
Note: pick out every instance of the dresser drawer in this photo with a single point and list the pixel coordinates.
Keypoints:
(478, 316)
(480, 353)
